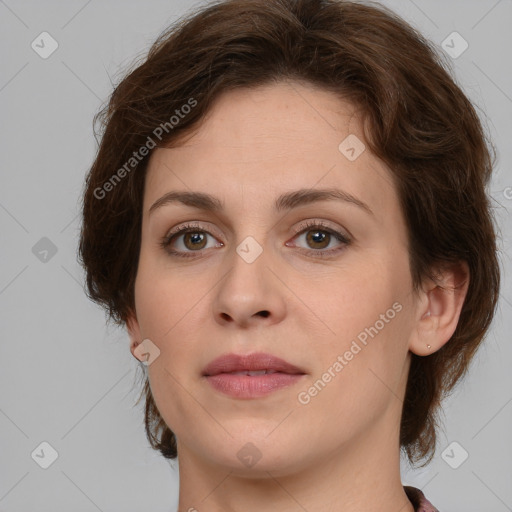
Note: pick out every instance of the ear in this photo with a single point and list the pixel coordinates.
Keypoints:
(438, 309)
(133, 328)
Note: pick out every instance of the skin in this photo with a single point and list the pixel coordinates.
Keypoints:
(340, 451)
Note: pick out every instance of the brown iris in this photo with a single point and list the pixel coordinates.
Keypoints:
(194, 237)
(314, 238)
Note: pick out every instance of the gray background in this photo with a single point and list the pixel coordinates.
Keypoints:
(68, 379)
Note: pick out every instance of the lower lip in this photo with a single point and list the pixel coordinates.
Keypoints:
(252, 386)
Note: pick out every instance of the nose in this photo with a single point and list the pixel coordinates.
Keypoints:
(250, 293)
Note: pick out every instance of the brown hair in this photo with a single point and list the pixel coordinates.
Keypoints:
(417, 120)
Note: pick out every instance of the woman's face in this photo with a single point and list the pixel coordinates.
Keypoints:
(321, 283)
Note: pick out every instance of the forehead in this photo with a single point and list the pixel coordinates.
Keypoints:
(264, 141)
(282, 118)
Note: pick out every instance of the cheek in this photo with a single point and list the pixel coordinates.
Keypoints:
(361, 358)
(167, 305)
(163, 298)
(356, 384)
(350, 299)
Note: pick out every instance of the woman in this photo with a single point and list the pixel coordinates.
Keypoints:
(288, 213)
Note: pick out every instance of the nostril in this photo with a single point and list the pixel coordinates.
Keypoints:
(264, 313)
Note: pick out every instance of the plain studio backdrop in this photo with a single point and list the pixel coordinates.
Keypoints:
(66, 379)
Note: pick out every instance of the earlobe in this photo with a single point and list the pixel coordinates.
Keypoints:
(439, 309)
(132, 326)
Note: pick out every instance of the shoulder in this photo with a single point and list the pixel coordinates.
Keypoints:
(418, 500)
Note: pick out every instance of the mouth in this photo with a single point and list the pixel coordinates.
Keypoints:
(251, 376)
(250, 365)
(250, 372)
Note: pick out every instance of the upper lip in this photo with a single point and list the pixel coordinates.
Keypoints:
(249, 362)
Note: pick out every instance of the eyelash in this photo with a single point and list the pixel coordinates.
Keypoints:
(308, 226)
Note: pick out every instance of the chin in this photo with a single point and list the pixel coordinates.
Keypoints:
(255, 453)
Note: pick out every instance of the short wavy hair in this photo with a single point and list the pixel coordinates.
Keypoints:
(416, 118)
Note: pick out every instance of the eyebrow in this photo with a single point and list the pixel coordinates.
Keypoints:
(285, 201)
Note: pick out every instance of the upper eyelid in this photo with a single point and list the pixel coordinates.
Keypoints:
(200, 226)
(184, 226)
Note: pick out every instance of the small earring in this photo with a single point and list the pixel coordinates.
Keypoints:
(428, 346)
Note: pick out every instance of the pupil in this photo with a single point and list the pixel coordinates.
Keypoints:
(194, 239)
(318, 237)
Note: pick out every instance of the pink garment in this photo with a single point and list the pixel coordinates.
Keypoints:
(418, 500)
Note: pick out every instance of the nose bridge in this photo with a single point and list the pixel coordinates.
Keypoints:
(249, 288)
(248, 268)
(250, 252)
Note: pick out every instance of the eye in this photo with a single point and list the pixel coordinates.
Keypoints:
(319, 237)
(186, 239)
